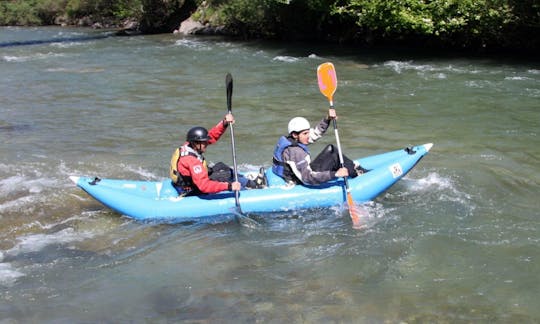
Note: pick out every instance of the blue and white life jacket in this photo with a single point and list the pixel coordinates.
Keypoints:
(280, 167)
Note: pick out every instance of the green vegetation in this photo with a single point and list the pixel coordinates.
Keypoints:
(454, 22)
(49, 12)
(442, 23)
(471, 24)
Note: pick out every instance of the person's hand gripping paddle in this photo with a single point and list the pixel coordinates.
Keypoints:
(326, 75)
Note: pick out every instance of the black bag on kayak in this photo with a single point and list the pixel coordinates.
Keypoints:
(220, 172)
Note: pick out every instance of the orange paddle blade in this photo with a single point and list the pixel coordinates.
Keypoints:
(326, 74)
(353, 210)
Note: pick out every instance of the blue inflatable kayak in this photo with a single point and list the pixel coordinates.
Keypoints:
(158, 201)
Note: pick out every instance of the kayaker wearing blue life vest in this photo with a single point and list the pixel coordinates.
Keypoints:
(189, 171)
(292, 159)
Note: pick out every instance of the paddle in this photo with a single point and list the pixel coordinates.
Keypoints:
(242, 219)
(229, 85)
(326, 75)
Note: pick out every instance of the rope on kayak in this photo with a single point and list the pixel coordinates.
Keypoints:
(95, 181)
(410, 150)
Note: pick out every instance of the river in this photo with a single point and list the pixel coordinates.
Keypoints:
(456, 240)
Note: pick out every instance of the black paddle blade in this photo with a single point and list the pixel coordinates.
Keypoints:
(243, 219)
(229, 85)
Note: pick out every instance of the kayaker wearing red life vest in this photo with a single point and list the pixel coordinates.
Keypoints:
(292, 159)
(190, 173)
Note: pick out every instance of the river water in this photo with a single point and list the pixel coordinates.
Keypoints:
(456, 240)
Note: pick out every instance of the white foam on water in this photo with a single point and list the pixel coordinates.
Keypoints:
(75, 70)
(535, 93)
(70, 33)
(372, 213)
(36, 242)
(518, 78)
(26, 58)
(18, 183)
(431, 181)
(491, 157)
(10, 58)
(38, 224)
(8, 275)
(16, 204)
(444, 189)
(439, 72)
(18, 192)
(142, 172)
(284, 58)
(401, 66)
(61, 44)
(193, 44)
(9, 184)
(441, 76)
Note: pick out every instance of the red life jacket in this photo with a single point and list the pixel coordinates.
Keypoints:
(179, 180)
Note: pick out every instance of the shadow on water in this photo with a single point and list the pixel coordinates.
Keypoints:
(14, 128)
(57, 40)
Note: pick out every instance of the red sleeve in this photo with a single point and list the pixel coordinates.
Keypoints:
(199, 175)
(216, 132)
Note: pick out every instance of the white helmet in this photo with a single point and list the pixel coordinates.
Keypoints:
(298, 124)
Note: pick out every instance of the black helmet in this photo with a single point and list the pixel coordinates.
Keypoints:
(197, 134)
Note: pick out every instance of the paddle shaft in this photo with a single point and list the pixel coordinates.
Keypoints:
(229, 85)
(353, 209)
(340, 152)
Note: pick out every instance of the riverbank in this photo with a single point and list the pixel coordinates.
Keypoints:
(475, 27)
